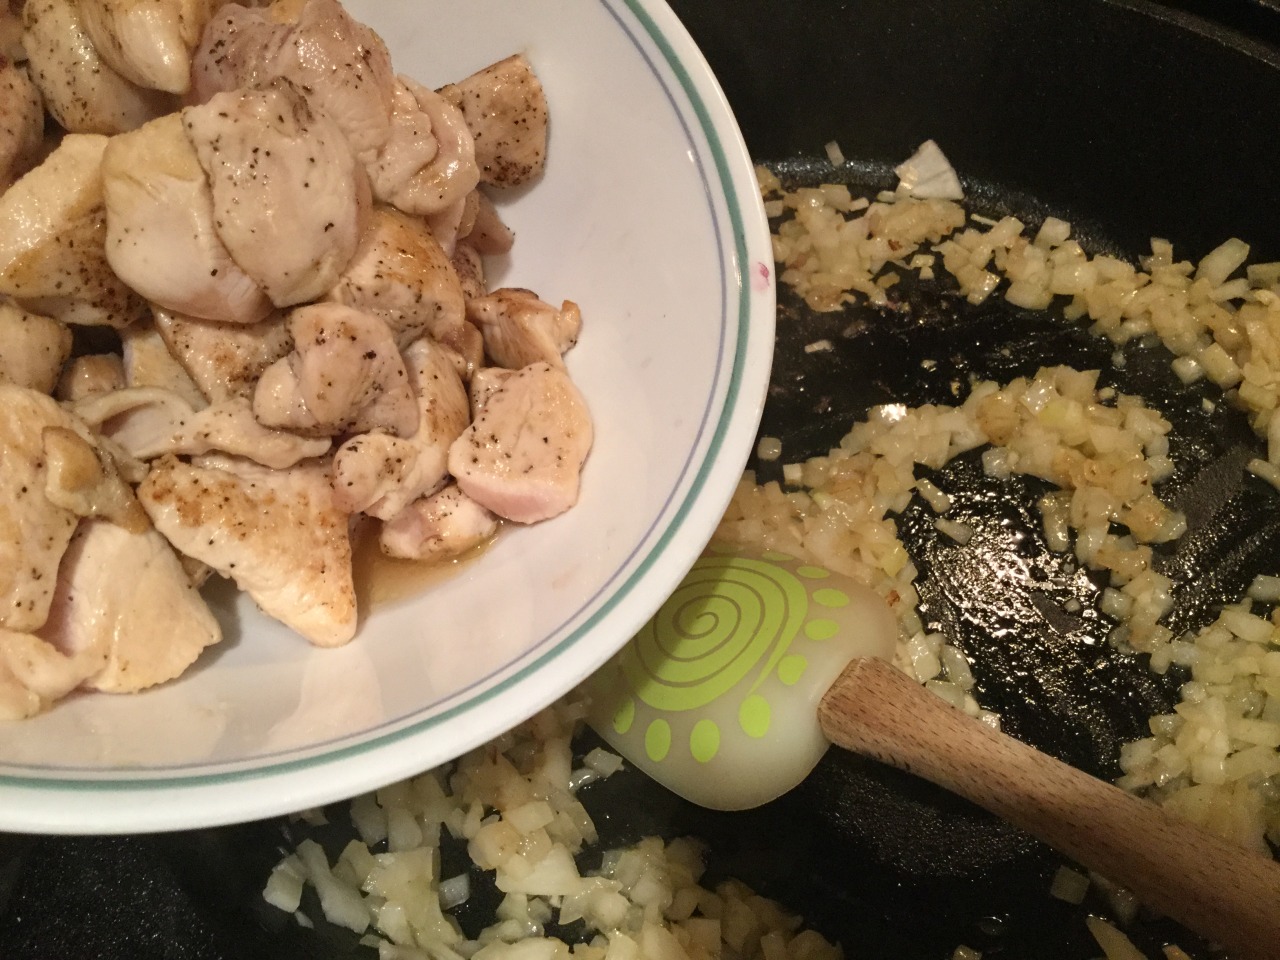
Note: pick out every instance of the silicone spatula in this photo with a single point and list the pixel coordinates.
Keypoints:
(731, 694)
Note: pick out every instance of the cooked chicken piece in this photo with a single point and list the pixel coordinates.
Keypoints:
(289, 199)
(124, 599)
(34, 673)
(344, 69)
(467, 221)
(519, 329)
(83, 478)
(341, 66)
(277, 533)
(281, 11)
(35, 348)
(21, 123)
(161, 238)
(487, 234)
(149, 422)
(11, 32)
(410, 147)
(197, 571)
(91, 375)
(112, 308)
(418, 173)
(345, 375)
(522, 456)
(470, 269)
(52, 230)
(380, 475)
(148, 42)
(16, 701)
(506, 112)
(475, 220)
(484, 382)
(440, 527)
(82, 92)
(467, 345)
(224, 359)
(401, 275)
(447, 225)
(148, 363)
(33, 532)
(236, 51)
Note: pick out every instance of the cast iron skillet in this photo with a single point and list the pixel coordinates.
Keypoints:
(1127, 118)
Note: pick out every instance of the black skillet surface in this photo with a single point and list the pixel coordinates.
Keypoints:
(1121, 116)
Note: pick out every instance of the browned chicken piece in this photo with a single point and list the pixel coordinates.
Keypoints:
(467, 346)
(447, 225)
(83, 93)
(11, 32)
(401, 275)
(224, 359)
(198, 572)
(439, 527)
(91, 375)
(474, 220)
(34, 673)
(148, 422)
(506, 111)
(148, 363)
(85, 479)
(379, 474)
(519, 329)
(161, 237)
(148, 42)
(486, 233)
(341, 66)
(35, 349)
(124, 599)
(33, 532)
(469, 265)
(276, 533)
(467, 210)
(522, 456)
(21, 123)
(52, 235)
(345, 375)
(290, 202)
(423, 174)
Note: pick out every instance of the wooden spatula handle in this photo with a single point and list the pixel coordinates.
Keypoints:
(1216, 888)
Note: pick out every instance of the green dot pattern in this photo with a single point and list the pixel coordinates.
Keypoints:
(754, 716)
(624, 716)
(791, 669)
(657, 740)
(813, 573)
(821, 629)
(704, 740)
(832, 599)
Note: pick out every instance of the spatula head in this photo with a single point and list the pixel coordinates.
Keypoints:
(716, 697)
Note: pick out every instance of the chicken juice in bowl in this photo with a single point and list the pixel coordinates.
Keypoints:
(647, 221)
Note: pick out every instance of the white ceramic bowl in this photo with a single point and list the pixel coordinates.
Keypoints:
(648, 216)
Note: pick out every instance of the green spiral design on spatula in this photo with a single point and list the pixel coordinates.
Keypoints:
(729, 617)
